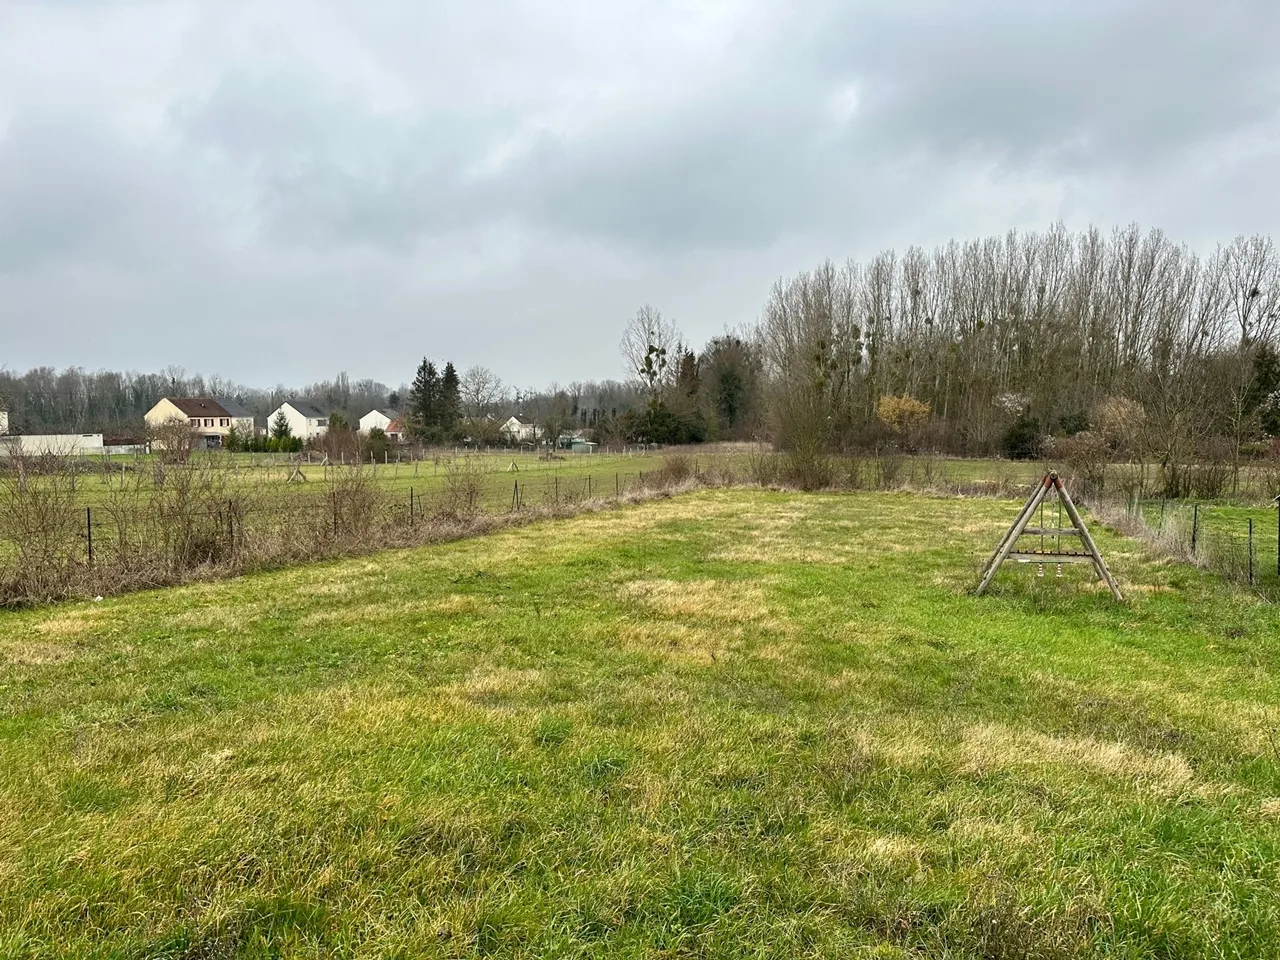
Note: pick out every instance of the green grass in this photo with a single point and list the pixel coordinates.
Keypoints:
(736, 723)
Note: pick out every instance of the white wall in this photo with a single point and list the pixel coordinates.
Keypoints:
(374, 418)
(58, 444)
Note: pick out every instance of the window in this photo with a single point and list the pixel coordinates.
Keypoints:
(322, 422)
(195, 421)
(224, 422)
(208, 421)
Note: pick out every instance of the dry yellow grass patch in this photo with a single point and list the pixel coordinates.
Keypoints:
(994, 832)
(331, 588)
(488, 682)
(894, 850)
(359, 613)
(1270, 807)
(990, 747)
(773, 549)
(227, 618)
(459, 603)
(36, 653)
(679, 641)
(70, 624)
(701, 599)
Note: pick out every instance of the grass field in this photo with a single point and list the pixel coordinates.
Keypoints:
(734, 723)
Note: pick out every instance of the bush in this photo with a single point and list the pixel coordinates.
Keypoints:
(1086, 456)
(676, 469)
(1022, 441)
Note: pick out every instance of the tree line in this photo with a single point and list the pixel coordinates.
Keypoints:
(1123, 344)
(1011, 342)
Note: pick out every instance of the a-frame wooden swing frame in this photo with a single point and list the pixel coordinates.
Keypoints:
(1006, 549)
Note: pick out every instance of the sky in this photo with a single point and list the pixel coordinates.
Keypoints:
(277, 190)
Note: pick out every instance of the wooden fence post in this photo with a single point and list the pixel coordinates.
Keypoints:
(1251, 550)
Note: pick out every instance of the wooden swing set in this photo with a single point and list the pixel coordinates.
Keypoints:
(1050, 548)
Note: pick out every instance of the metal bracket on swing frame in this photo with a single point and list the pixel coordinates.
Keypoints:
(1088, 554)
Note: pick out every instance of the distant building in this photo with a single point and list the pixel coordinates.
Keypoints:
(519, 431)
(53, 444)
(380, 418)
(579, 445)
(396, 431)
(305, 419)
(209, 420)
(241, 419)
(4, 422)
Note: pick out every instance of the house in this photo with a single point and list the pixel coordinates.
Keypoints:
(378, 417)
(396, 431)
(208, 419)
(305, 419)
(519, 431)
(4, 422)
(579, 445)
(241, 419)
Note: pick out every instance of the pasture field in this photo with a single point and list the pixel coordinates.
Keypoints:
(733, 723)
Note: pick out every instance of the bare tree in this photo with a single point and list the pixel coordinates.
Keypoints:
(648, 335)
(481, 390)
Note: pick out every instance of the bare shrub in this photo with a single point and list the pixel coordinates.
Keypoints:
(888, 470)
(676, 469)
(465, 482)
(184, 516)
(173, 440)
(1120, 422)
(1207, 481)
(1084, 458)
(353, 501)
(42, 520)
(764, 466)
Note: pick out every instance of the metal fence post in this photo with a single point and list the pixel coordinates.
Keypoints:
(1195, 527)
(88, 530)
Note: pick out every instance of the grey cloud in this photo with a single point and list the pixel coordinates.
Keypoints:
(301, 171)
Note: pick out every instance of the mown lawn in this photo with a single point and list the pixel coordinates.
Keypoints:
(735, 723)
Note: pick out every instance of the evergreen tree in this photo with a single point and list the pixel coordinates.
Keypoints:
(424, 401)
(450, 400)
(280, 426)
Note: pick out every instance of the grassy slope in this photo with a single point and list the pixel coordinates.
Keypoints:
(740, 723)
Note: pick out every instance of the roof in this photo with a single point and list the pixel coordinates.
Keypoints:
(520, 420)
(198, 406)
(306, 408)
(389, 414)
(234, 409)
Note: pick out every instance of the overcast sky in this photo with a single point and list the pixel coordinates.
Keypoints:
(276, 190)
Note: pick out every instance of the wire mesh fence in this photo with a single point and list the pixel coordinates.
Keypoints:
(54, 544)
(1239, 543)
